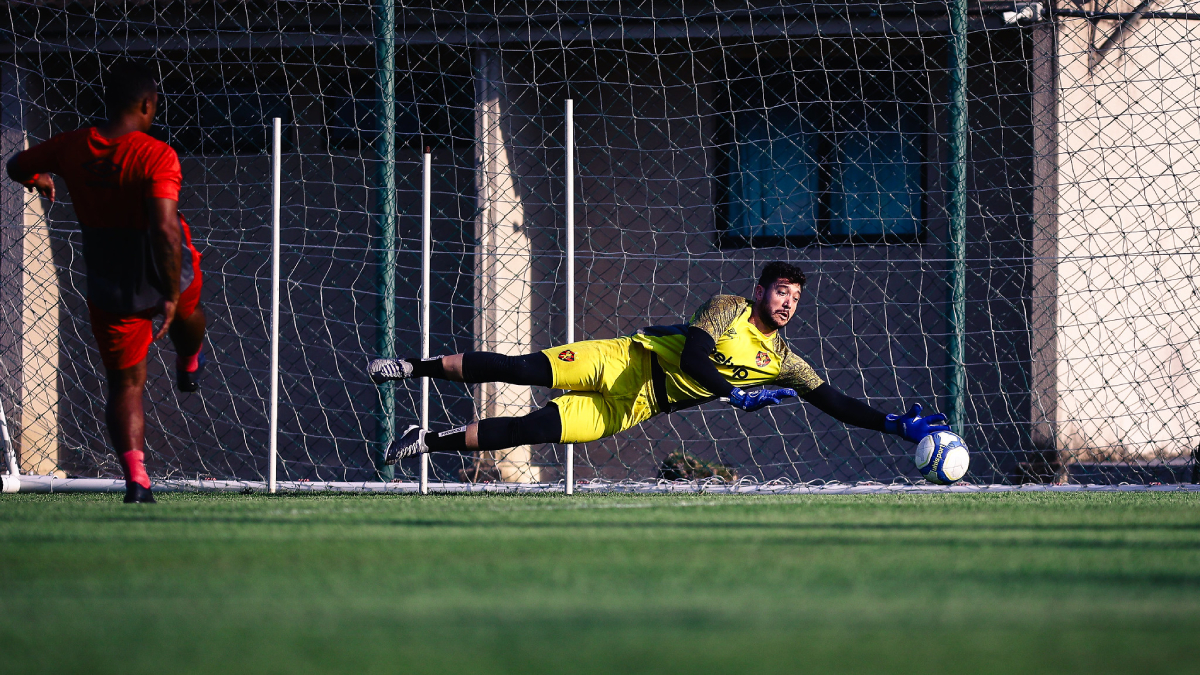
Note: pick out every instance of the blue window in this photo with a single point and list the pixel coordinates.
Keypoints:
(840, 163)
(777, 183)
(875, 165)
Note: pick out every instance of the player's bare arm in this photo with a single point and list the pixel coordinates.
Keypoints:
(166, 237)
(42, 182)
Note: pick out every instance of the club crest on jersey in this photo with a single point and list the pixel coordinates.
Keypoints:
(102, 167)
(762, 359)
(566, 355)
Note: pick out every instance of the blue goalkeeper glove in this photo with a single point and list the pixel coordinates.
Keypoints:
(754, 400)
(913, 427)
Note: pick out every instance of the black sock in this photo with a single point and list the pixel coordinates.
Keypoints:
(539, 426)
(451, 440)
(428, 367)
(531, 369)
(498, 433)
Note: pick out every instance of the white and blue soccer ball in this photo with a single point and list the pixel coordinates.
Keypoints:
(942, 457)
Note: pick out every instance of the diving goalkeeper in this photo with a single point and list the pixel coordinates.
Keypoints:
(729, 345)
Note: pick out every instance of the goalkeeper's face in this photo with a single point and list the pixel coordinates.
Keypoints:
(776, 304)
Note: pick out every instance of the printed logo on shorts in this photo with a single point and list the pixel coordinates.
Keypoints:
(762, 359)
(566, 355)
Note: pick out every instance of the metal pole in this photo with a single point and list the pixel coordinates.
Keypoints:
(10, 454)
(426, 246)
(385, 347)
(570, 255)
(957, 207)
(277, 135)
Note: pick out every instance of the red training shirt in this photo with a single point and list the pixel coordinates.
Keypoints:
(110, 181)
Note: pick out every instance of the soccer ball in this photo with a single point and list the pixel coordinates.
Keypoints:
(942, 457)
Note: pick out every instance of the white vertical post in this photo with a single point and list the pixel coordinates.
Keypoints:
(426, 245)
(275, 170)
(10, 455)
(570, 255)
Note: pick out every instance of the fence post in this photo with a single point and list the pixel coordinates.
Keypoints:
(957, 207)
(570, 260)
(426, 246)
(10, 454)
(275, 171)
(385, 342)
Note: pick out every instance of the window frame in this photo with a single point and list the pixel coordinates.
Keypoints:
(725, 163)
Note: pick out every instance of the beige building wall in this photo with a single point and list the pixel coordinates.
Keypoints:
(1044, 464)
(1128, 335)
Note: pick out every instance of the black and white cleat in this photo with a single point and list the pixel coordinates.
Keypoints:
(411, 443)
(389, 370)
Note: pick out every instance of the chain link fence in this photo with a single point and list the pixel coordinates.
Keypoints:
(712, 138)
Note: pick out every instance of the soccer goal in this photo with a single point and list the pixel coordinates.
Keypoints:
(993, 202)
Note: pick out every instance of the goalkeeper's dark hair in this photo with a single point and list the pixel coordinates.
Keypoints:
(125, 83)
(782, 270)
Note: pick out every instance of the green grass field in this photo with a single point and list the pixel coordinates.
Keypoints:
(1004, 583)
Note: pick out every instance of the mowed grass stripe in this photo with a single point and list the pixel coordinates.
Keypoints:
(1099, 582)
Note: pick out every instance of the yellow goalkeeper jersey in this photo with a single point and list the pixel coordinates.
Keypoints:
(743, 355)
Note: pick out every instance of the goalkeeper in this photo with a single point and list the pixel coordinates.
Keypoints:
(730, 344)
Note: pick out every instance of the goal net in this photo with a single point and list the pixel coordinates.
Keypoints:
(994, 208)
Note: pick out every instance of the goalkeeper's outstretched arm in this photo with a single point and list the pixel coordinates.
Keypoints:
(845, 409)
(912, 426)
(694, 361)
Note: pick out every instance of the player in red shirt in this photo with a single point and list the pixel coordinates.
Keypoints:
(136, 247)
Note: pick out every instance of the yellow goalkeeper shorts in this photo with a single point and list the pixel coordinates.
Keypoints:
(609, 387)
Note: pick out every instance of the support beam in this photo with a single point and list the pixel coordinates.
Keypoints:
(1043, 464)
(39, 348)
(29, 297)
(488, 32)
(503, 267)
